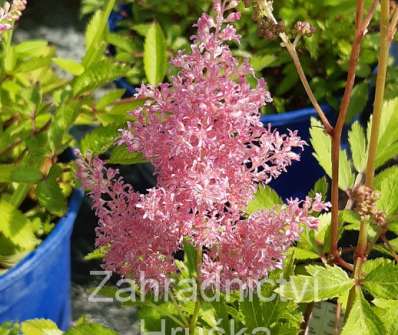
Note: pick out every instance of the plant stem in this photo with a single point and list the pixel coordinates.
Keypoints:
(300, 71)
(362, 246)
(360, 31)
(376, 116)
(195, 315)
(291, 49)
(380, 88)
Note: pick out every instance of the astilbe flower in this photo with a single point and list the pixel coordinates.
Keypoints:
(203, 134)
(10, 13)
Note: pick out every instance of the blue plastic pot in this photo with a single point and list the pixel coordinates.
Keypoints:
(39, 285)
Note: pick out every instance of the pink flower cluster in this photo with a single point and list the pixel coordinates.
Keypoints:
(10, 13)
(203, 134)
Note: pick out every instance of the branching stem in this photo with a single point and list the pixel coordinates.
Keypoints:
(360, 32)
(362, 246)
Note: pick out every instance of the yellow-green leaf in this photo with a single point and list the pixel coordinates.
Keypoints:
(40, 327)
(16, 227)
(363, 319)
(155, 54)
(69, 65)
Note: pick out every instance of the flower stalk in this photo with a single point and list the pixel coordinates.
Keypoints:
(266, 10)
(362, 246)
(361, 29)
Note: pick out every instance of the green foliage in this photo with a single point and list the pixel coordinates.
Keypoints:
(38, 107)
(90, 328)
(155, 56)
(96, 254)
(359, 99)
(358, 146)
(387, 311)
(8, 328)
(16, 227)
(321, 186)
(264, 198)
(96, 75)
(99, 140)
(40, 327)
(280, 317)
(48, 327)
(49, 192)
(382, 281)
(69, 66)
(387, 183)
(388, 135)
(121, 155)
(321, 143)
(324, 55)
(363, 317)
(95, 35)
(322, 283)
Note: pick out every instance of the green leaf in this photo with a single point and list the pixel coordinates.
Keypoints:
(382, 282)
(321, 186)
(9, 261)
(122, 43)
(90, 329)
(34, 64)
(190, 257)
(69, 65)
(99, 140)
(97, 75)
(108, 98)
(31, 48)
(10, 173)
(264, 198)
(95, 33)
(304, 254)
(40, 327)
(322, 234)
(349, 216)
(387, 184)
(26, 174)
(362, 318)
(358, 146)
(279, 317)
(16, 227)
(346, 175)
(10, 59)
(387, 311)
(322, 145)
(388, 133)
(384, 175)
(323, 283)
(260, 62)
(92, 28)
(155, 54)
(141, 28)
(98, 253)
(121, 155)
(9, 328)
(359, 99)
(50, 195)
